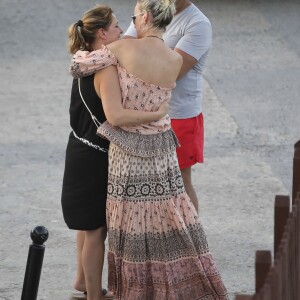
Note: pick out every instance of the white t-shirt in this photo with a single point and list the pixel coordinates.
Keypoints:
(189, 31)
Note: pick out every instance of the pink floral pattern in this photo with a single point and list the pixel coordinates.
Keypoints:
(136, 94)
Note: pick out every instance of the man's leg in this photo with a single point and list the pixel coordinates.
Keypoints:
(190, 133)
(187, 181)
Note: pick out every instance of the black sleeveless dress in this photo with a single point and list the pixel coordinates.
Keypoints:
(84, 188)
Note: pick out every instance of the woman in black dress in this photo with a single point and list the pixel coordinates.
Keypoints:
(84, 188)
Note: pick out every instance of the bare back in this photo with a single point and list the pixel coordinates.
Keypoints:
(149, 59)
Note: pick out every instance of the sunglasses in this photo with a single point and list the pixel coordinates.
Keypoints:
(134, 17)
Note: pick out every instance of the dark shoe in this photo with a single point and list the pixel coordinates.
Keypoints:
(108, 295)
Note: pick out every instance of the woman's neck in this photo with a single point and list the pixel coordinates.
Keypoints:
(153, 33)
(97, 45)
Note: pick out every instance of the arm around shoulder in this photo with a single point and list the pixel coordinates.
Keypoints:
(85, 63)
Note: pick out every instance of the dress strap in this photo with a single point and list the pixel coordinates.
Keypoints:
(95, 120)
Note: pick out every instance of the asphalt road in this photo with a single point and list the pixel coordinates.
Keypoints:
(251, 108)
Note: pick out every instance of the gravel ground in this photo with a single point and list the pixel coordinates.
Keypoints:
(251, 108)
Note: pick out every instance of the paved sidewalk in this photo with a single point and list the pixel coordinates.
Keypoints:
(251, 108)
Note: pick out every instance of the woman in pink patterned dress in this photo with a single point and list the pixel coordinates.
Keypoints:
(157, 246)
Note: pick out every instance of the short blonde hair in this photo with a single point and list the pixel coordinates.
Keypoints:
(161, 10)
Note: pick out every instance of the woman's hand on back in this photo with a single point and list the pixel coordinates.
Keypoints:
(164, 108)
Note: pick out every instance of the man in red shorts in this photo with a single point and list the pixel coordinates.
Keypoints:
(189, 34)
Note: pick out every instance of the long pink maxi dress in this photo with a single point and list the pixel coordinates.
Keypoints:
(157, 246)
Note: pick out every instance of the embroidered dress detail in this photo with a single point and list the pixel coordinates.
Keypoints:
(89, 143)
(91, 61)
(139, 144)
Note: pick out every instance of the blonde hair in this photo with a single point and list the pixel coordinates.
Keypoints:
(83, 33)
(161, 10)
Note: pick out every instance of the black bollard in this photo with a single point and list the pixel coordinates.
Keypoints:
(39, 235)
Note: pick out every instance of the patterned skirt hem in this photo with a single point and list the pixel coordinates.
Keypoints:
(143, 145)
(169, 281)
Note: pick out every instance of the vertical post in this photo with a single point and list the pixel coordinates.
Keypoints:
(278, 271)
(263, 262)
(296, 171)
(292, 252)
(297, 238)
(273, 282)
(39, 235)
(282, 209)
(285, 269)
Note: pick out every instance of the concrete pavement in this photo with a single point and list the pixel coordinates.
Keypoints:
(251, 108)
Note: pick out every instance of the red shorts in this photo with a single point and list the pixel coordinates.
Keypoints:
(190, 133)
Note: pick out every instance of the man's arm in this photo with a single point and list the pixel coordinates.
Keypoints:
(195, 42)
(188, 63)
